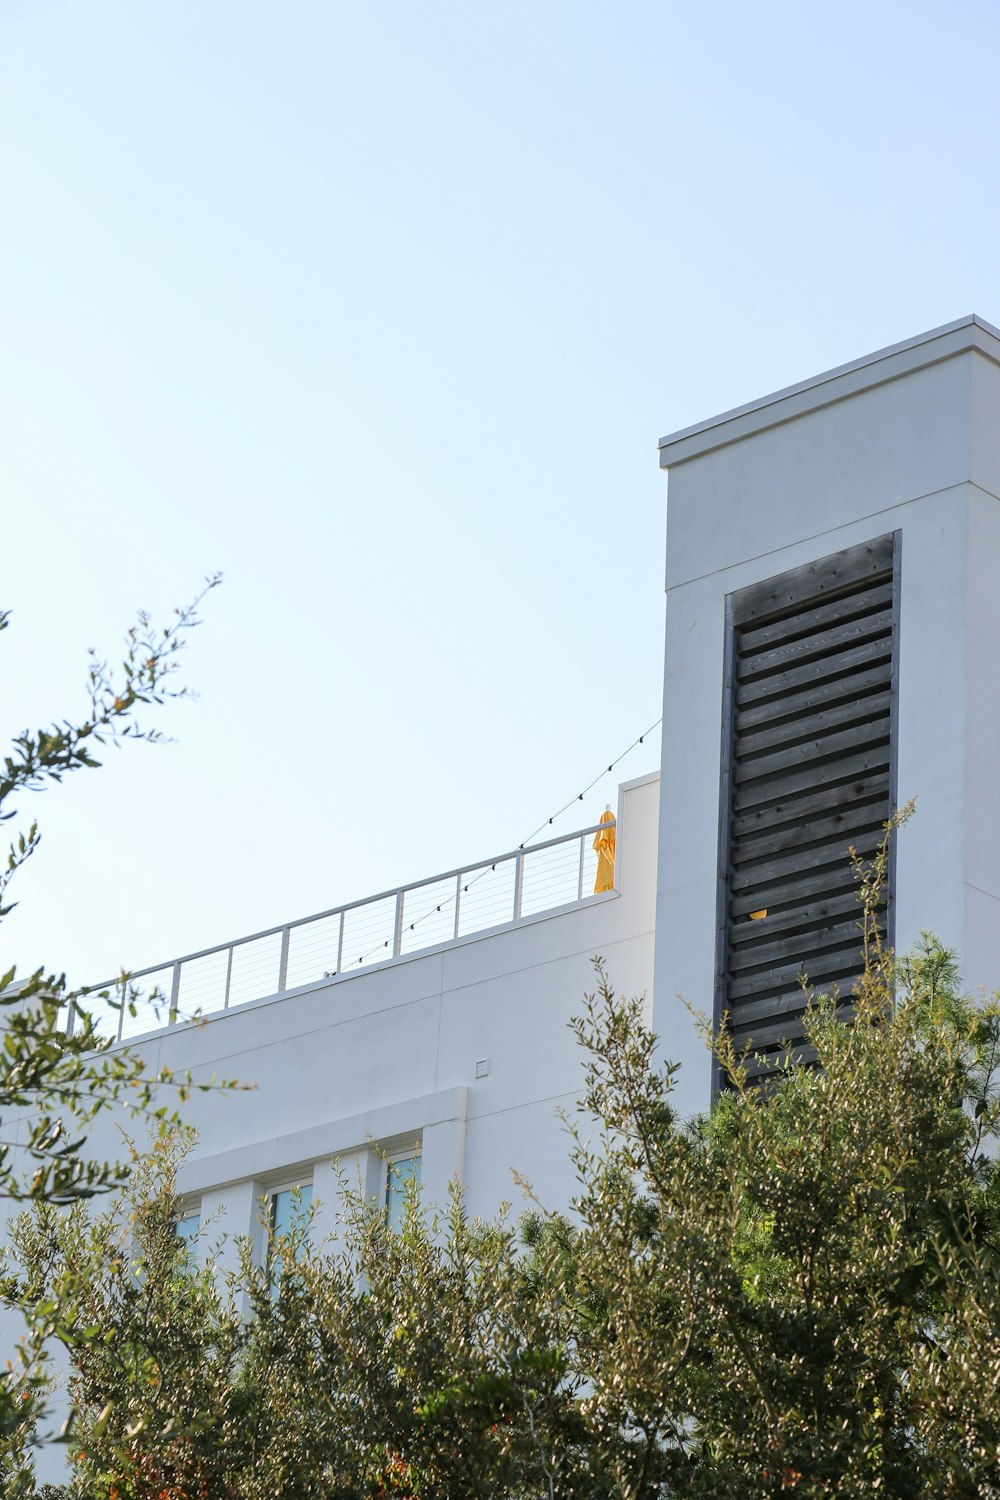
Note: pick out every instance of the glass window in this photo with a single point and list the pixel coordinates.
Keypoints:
(186, 1231)
(289, 1209)
(400, 1170)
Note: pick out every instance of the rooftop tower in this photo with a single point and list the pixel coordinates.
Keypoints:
(832, 650)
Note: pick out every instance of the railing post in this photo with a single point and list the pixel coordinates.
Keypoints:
(518, 883)
(175, 990)
(579, 884)
(229, 977)
(458, 899)
(340, 942)
(121, 1011)
(397, 937)
(283, 960)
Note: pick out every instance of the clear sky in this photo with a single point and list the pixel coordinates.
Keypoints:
(381, 309)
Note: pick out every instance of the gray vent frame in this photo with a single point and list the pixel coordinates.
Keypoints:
(841, 577)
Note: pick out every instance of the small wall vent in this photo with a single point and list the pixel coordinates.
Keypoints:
(808, 770)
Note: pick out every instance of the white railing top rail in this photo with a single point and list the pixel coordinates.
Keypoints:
(495, 892)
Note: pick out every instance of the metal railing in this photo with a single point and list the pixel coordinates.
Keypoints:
(331, 945)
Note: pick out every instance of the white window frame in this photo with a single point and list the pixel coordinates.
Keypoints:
(271, 1191)
(190, 1209)
(413, 1150)
(187, 1210)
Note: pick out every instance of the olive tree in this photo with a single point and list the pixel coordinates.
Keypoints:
(797, 1294)
(56, 1078)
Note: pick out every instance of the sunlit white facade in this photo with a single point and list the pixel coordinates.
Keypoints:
(442, 1049)
(449, 1062)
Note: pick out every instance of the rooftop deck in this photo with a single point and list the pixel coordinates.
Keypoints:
(488, 896)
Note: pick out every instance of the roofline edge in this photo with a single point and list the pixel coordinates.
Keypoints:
(831, 385)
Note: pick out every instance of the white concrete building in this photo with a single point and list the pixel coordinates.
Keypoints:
(456, 1050)
(831, 644)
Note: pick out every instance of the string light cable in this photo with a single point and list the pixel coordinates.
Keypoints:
(432, 911)
(590, 786)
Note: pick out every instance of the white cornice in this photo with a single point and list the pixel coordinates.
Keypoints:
(946, 342)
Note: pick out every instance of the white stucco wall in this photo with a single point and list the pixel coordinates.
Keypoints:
(906, 439)
(388, 1057)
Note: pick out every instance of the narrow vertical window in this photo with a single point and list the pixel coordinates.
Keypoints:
(186, 1229)
(808, 771)
(399, 1173)
(289, 1211)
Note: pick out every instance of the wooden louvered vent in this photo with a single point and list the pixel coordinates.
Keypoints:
(808, 770)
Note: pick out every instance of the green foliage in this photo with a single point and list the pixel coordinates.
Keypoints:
(815, 1305)
(797, 1295)
(57, 1074)
(136, 1307)
(60, 1077)
(411, 1363)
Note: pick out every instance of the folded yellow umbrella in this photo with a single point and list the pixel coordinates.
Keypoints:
(604, 843)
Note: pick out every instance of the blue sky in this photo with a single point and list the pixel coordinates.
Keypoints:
(381, 310)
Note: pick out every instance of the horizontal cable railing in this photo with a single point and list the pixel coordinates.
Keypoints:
(348, 939)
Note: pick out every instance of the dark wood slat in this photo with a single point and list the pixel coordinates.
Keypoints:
(824, 643)
(782, 974)
(774, 942)
(810, 778)
(762, 1012)
(769, 981)
(825, 968)
(860, 601)
(840, 975)
(758, 1038)
(823, 578)
(810, 668)
(838, 984)
(854, 658)
(778, 1062)
(874, 731)
(850, 825)
(778, 868)
(841, 990)
(788, 1030)
(812, 917)
(804, 727)
(750, 1011)
(818, 695)
(750, 956)
(827, 799)
(797, 890)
